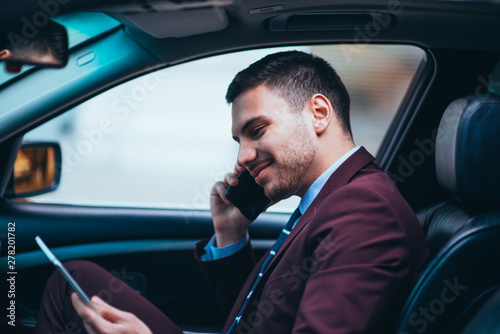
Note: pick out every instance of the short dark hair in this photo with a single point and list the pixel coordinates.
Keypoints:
(295, 76)
(49, 41)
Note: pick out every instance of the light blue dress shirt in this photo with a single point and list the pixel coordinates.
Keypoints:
(215, 253)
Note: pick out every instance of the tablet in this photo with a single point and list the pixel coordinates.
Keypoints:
(52, 258)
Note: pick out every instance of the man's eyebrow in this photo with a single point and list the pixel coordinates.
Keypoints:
(247, 124)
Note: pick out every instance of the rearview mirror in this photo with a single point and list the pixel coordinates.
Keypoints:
(37, 169)
(45, 46)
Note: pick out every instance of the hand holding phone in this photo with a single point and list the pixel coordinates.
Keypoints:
(247, 196)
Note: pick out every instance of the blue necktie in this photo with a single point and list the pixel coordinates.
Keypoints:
(284, 233)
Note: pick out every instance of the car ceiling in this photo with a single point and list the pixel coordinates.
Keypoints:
(193, 28)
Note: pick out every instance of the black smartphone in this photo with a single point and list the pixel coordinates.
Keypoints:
(247, 196)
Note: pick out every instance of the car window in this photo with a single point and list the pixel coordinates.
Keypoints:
(163, 139)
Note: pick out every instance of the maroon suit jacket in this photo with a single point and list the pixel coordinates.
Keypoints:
(346, 267)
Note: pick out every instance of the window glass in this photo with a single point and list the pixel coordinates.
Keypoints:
(162, 140)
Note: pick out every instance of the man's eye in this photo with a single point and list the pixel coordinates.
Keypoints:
(257, 132)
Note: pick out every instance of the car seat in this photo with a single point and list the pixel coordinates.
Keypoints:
(457, 292)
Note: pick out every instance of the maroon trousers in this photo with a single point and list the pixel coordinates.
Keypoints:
(57, 315)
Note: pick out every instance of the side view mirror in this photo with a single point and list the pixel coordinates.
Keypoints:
(45, 46)
(37, 169)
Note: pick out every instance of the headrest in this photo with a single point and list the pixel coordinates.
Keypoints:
(468, 151)
(494, 83)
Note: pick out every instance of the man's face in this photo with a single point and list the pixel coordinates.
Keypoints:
(277, 144)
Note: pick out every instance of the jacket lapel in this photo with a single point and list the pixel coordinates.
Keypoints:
(339, 178)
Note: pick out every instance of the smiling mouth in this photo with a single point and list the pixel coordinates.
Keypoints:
(256, 171)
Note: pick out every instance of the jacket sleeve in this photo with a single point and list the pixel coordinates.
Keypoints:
(361, 266)
(226, 276)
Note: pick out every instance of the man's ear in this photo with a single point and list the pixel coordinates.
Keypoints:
(9, 67)
(322, 112)
(5, 54)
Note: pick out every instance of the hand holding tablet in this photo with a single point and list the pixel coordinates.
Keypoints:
(52, 258)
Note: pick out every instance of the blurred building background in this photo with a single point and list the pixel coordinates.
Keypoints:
(162, 140)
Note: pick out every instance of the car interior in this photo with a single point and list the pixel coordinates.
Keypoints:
(462, 229)
(441, 148)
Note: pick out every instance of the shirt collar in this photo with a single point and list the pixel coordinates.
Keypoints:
(315, 188)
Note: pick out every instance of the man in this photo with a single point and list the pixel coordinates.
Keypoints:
(346, 260)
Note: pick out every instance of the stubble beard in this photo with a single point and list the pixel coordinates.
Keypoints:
(293, 165)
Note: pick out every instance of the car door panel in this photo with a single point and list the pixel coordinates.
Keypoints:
(150, 249)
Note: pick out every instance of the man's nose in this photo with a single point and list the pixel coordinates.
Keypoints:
(246, 154)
